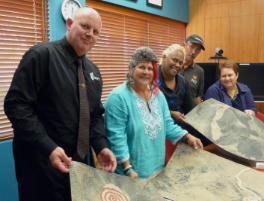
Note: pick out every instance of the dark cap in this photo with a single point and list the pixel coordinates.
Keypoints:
(196, 39)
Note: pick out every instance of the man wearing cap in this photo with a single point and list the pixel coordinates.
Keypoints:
(192, 72)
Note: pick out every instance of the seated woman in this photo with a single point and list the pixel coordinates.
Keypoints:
(138, 120)
(231, 92)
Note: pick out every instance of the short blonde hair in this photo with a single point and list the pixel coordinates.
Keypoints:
(172, 48)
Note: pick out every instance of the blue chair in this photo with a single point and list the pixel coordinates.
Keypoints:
(8, 184)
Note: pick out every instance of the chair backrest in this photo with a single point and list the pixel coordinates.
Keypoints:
(8, 184)
(260, 116)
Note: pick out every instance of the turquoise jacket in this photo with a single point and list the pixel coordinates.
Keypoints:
(137, 130)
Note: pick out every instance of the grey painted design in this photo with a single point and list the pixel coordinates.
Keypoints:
(202, 176)
(88, 184)
(190, 175)
(229, 128)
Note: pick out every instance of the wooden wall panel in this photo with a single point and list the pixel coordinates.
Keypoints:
(261, 39)
(197, 21)
(237, 26)
(244, 34)
(217, 32)
(215, 10)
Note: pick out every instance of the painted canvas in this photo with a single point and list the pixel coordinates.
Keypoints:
(191, 175)
(231, 130)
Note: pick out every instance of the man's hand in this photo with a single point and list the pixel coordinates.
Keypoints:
(107, 160)
(198, 100)
(60, 160)
(178, 116)
(193, 141)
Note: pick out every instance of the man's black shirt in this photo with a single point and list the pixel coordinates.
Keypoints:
(42, 102)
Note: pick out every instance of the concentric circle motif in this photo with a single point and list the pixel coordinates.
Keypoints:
(111, 192)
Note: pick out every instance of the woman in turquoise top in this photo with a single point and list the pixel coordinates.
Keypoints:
(138, 120)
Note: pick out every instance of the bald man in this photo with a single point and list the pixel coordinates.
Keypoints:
(43, 106)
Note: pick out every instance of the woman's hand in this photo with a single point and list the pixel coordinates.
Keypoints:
(250, 112)
(128, 169)
(178, 116)
(133, 174)
(193, 141)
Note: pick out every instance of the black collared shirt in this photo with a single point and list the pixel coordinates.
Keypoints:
(42, 102)
(194, 75)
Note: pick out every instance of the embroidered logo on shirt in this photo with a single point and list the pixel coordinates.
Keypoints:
(93, 77)
(194, 79)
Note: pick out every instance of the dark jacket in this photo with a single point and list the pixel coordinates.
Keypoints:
(218, 92)
(180, 99)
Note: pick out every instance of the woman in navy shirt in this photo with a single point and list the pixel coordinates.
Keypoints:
(231, 92)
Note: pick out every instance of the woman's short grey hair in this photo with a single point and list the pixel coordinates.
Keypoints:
(141, 54)
(172, 48)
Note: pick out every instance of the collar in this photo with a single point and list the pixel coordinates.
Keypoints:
(241, 87)
(189, 66)
(70, 53)
(161, 78)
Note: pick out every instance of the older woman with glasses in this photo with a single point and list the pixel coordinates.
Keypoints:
(138, 119)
